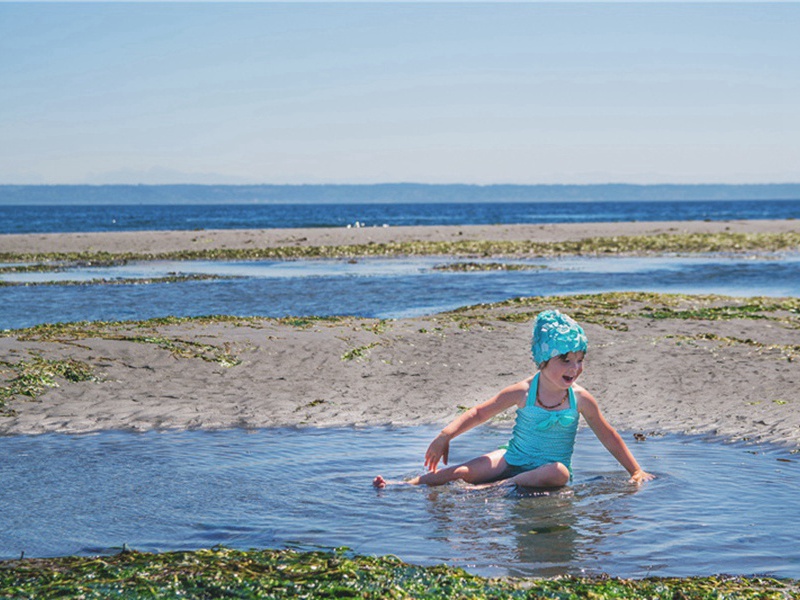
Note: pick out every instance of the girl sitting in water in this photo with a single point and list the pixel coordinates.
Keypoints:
(539, 453)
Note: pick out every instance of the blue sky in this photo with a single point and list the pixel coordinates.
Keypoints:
(407, 92)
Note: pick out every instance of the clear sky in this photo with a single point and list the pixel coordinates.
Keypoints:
(407, 92)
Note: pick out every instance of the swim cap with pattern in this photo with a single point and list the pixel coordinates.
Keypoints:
(554, 334)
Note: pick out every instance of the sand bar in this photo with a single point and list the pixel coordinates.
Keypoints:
(173, 241)
(733, 378)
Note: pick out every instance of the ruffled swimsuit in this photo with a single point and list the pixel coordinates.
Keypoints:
(542, 436)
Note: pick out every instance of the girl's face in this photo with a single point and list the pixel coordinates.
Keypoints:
(564, 370)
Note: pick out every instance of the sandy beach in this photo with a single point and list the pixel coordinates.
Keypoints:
(155, 242)
(734, 378)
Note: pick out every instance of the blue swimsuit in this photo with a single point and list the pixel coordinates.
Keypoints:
(542, 436)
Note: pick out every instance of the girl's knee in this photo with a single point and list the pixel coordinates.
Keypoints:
(482, 469)
(468, 475)
(550, 475)
(558, 473)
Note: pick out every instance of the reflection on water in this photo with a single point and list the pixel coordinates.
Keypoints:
(310, 488)
(384, 288)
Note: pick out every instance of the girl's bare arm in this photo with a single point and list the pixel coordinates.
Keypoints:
(609, 436)
(440, 446)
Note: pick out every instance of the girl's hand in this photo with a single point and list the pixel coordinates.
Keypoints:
(640, 477)
(438, 450)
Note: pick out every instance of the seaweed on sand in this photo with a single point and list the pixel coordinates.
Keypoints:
(225, 573)
(31, 377)
(118, 281)
(611, 309)
(643, 244)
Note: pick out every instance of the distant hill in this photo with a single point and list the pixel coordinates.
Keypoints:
(382, 193)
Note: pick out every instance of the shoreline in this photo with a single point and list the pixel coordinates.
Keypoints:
(158, 242)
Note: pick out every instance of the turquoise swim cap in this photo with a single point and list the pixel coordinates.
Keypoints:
(554, 334)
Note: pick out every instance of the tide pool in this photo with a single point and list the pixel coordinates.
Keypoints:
(714, 508)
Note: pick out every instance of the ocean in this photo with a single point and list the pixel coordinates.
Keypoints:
(162, 217)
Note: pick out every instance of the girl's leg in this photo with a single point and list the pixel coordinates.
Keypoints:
(547, 476)
(478, 470)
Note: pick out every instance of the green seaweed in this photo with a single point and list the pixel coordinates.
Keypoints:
(790, 351)
(640, 244)
(108, 329)
(469, 267)
(37, 268)
(376, 326)
(29, 373)
(360, 352)
(309, 321)
(612, 309)
(32, 377)
(186, 349)
(119, 281)
(225, 573)
(72, 332)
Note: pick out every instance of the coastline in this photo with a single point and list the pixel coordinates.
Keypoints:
(157, 242)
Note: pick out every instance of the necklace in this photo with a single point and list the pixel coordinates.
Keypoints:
(551, 406)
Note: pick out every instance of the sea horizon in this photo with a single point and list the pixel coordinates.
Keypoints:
(383, 193)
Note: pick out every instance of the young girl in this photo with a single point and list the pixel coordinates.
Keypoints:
(539, 453)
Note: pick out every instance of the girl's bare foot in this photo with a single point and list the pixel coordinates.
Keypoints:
(380, 483)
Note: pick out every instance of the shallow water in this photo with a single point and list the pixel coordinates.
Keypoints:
(382, 288)
(714, 508)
